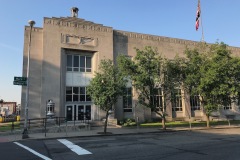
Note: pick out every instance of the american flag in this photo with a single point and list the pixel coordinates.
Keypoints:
(198, 15)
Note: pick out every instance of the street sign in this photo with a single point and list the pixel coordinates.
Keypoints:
(20, 81)
(20, 78)
(23, 83)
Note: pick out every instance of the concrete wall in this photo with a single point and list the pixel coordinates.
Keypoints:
(35, 72)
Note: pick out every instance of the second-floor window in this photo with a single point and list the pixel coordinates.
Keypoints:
(79, 63)
(77, 94)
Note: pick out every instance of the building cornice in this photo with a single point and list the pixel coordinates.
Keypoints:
(77, 23)
(134, 35)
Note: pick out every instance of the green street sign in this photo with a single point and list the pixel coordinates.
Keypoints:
(22, 83)
(20, 78)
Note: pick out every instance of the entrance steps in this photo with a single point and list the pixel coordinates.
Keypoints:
(112, 122)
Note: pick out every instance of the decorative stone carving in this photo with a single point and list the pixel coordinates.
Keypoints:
(85, 40)
(78, 40)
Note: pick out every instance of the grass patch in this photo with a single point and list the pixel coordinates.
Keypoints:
(8, 126)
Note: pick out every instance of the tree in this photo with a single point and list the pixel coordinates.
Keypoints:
(214, 75)
(106, 86)
(149, 74)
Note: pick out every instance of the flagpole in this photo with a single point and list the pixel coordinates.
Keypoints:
(202, 25)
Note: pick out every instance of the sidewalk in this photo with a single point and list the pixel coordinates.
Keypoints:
(97, 131)
(94, 131)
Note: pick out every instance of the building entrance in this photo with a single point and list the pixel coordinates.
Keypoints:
(78, 112)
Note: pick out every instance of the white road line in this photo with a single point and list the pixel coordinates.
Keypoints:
(32, 151)
(73, 147)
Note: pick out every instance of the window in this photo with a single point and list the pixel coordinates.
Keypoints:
(158, 100)
(76, 63)
(77, 94)
(195, 102)
(177, 100)
(79, 63)
(69, 94)
(228, 105)
(69, 62)
(127, 100)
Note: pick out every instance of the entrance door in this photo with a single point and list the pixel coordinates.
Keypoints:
(84, 112)
(88, 112)
(81, 112)
(69, 112)
(78, 112)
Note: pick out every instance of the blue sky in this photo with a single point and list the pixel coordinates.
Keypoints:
(170, 18)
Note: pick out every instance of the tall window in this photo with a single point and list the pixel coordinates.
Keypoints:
(77, 94)
(177, 100)
(195, 102)
(79, 63)
(127, 100)
(158, 100)
(228, 105)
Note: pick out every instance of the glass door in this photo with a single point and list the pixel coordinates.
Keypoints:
(84, 112)
(78, 112)
(88, 112)
(69, 112)
(81, 112)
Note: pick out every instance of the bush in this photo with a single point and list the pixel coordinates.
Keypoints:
(128, 122)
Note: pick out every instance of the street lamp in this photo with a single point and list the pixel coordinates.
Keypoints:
(25, 131)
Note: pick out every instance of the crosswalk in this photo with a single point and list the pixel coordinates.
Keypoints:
(75, 148)
(53, 147)
(32, 151)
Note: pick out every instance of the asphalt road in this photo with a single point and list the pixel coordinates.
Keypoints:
(214, 144)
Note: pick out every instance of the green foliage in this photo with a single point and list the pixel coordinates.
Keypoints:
(128, 122)
(152, 75)
(214, 74)
(107, 85)
(209, 71)
(144, 72)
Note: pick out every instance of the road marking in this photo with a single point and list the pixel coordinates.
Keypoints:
(74, 148)
(32, 151)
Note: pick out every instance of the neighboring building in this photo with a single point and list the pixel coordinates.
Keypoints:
(66, 52)
(8, 108)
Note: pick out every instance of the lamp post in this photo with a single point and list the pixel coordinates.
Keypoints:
(25, 131)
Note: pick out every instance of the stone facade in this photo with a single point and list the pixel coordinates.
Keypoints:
(60, 37)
